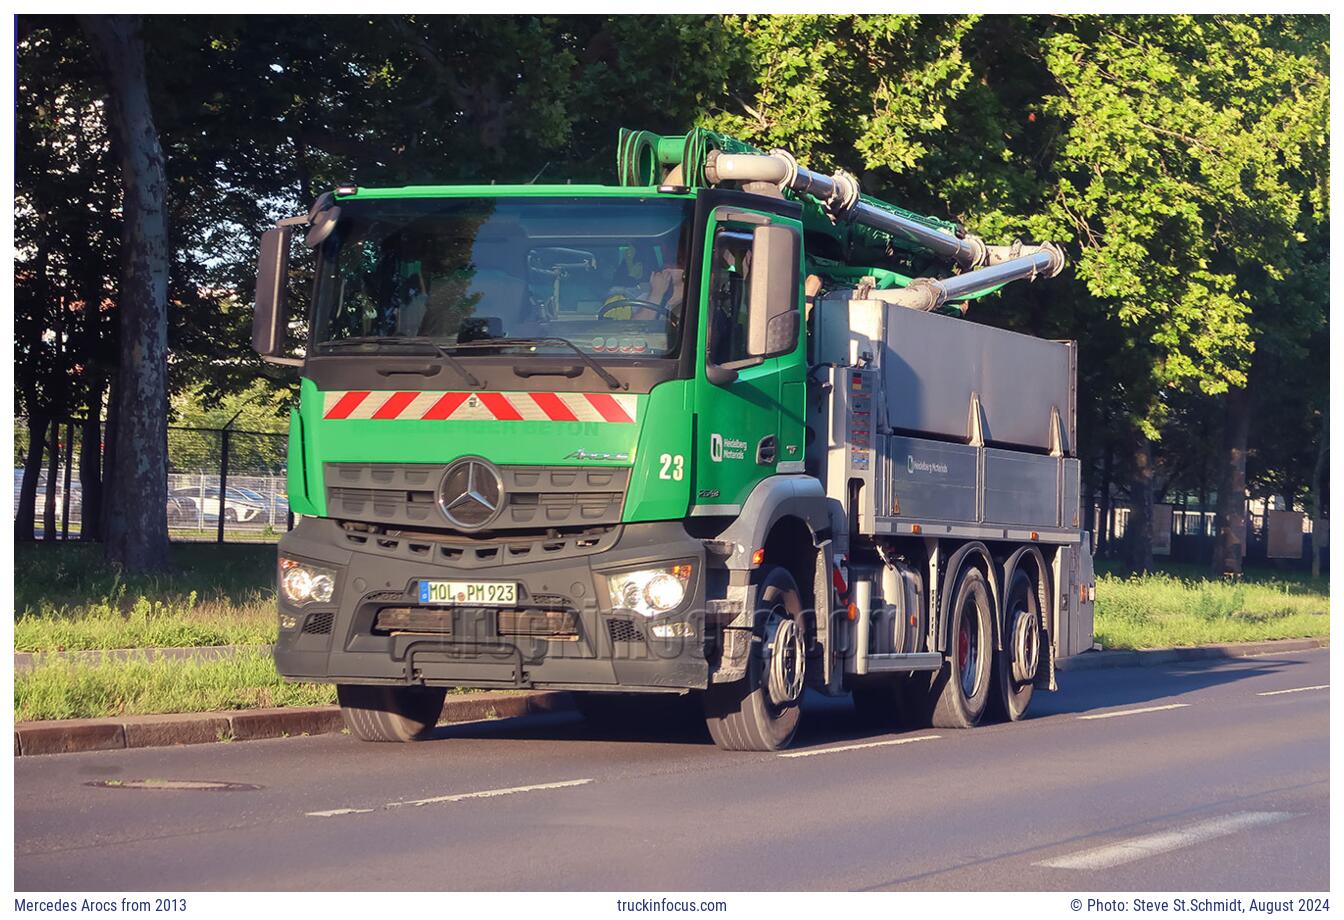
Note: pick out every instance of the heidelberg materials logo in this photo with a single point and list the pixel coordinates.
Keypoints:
(923, 466)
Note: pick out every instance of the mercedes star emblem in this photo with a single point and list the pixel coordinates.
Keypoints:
(472, 493)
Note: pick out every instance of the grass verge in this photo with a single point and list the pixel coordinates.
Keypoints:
(65, 690)
(67, 597)
(1179, 608)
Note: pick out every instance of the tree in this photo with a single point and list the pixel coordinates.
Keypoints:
(137, 526)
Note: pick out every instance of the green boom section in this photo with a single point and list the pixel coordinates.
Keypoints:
(659, 488)
(645, 159)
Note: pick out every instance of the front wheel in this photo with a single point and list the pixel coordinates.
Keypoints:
(761, 711)
(379, 713)
(961, 688)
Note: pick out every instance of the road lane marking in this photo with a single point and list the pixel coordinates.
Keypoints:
(1126, 851)
(1294, 690)
(1135, 712)
(859, 747)
(489, 793)
(339, 811)
(458, 797)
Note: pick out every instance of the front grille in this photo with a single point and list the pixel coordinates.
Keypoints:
(437, 620)
(318, 624)
(446, 547)
(624, 631)
(406, 495)
(531, 621)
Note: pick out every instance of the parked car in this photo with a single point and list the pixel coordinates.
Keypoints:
(194, 503)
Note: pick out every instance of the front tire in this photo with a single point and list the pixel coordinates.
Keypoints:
(961, 689)
(380, 713)
(761, 711)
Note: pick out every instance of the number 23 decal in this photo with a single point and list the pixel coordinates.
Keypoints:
(672, 467)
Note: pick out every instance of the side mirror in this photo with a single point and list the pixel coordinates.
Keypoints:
(773, 318)
(270, 318)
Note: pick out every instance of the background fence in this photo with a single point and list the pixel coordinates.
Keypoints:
(247, 468)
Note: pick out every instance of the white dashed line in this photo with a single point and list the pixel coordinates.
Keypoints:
(1152, 844)
(1135, 712)
(1294, 690)
(339, 811)
(859, 747)
(459, 797)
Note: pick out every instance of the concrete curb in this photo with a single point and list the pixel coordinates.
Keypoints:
(26, 661)
(1147, 658)
(68, 736)
(65, 736)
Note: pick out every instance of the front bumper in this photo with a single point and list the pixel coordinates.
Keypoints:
(605, 649)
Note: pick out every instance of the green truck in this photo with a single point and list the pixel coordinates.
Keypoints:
(718, 430)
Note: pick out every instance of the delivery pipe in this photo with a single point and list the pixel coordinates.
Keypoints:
(839, 195)
(929, 294)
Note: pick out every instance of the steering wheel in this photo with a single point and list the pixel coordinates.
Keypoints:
(634, 304)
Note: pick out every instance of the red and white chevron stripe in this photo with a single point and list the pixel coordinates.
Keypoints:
(442, 406)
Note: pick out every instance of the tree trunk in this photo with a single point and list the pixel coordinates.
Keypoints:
(53, 482)
(1139, 533)
(91, 467)
(24, 531)
(136, 527)
(1318, 483)
(1230, 544)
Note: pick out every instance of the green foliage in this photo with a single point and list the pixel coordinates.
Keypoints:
(1165, 610)
(69, 690)
(67, 597)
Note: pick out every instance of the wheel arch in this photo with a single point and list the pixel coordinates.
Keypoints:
(976, 555)
(1029, 559)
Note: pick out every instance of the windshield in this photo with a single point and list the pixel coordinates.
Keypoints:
(608, 275)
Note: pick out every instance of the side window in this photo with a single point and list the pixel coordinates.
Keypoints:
(728, 284)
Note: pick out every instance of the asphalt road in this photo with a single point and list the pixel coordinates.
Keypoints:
(1198, 777)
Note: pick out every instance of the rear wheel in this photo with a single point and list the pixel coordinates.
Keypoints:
(961, 688)
(374, 713)
(1015, 667)
(761, 711)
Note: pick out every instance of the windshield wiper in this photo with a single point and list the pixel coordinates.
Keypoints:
(410, 340)
(550, 340)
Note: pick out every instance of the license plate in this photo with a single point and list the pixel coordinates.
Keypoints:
(486, 593)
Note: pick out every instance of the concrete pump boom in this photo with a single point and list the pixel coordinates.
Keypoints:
(984, 266)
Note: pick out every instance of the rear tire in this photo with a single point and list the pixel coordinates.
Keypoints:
(761, 711)
(961, 688)
(1016, 665)
(378, 713)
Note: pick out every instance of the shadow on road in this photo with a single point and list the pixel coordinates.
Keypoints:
(677, 720)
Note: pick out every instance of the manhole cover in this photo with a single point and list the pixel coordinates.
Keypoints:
(180, 785)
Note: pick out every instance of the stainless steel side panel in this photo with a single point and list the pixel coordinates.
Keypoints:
(1021, 488)
(932, 364)
(931, 480)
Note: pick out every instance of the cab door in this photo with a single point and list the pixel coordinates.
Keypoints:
(743, 429)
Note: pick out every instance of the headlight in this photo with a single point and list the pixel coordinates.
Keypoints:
(650, 592)
(304, 583)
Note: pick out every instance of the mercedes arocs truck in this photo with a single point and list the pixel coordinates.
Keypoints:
(719, 429)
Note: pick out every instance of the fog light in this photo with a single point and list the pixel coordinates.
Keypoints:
(288, 622)
(674, 631)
